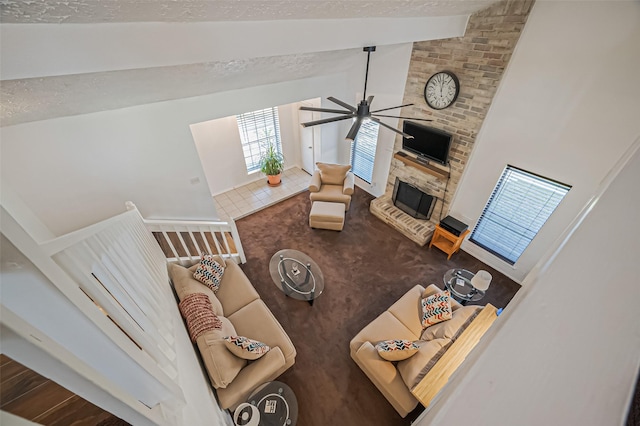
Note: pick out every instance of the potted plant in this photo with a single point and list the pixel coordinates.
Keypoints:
(272, 164)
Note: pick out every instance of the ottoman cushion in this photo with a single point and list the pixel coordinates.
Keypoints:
(327, 215)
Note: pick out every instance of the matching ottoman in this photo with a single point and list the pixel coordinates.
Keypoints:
(327, 215)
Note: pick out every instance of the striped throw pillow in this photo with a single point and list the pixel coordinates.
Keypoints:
(198, 313)
(246, 348)
(397, 350)
(209, 272)
(435, 308)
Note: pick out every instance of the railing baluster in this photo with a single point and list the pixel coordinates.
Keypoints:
(195, 243)
(173, 249)
(206, 241)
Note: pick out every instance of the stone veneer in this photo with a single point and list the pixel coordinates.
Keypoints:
(479, 60)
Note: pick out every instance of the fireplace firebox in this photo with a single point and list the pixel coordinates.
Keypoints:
(412, 201)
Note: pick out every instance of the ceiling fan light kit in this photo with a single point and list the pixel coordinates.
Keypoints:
(361, 113)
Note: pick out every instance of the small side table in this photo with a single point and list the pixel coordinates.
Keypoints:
(446, 241)
(277, 404)
(458, 282)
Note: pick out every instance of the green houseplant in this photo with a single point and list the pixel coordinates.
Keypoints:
(272, 164)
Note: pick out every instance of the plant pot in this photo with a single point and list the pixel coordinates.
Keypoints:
(274, 180)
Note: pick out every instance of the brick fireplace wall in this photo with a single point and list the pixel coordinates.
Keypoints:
(479, 60)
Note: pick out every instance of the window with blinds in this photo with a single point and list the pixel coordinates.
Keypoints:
(363, 151)
(519, 205)
(258, 129)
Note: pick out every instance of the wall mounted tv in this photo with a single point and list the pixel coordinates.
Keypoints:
(428, 143)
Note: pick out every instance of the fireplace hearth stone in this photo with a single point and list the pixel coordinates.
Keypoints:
(417, 230)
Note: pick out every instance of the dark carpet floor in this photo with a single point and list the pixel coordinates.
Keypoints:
(366, 268)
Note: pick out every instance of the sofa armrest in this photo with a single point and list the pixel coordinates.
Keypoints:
(386, 378)
(255, 373)
(316, 182)
(349, 184)
(438, 376)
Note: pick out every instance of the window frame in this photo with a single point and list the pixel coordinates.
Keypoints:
(363, 155)
(501, 200)
(254, 122)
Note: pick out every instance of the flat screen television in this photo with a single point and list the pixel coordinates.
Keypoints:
(427, 143)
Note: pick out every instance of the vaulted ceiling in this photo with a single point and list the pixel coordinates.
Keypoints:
(62, 58)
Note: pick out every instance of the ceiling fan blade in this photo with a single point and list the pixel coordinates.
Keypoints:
(392, 128)
(333, 111)
(387, 109)
(369, 100)
(342, 104)
(353, 132)
(404, 118)
(326, 120)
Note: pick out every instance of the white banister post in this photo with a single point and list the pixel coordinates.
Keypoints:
(236, 240)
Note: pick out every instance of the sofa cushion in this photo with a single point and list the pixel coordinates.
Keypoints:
(222, 366)
(235, 290)
(385, 327)
(333, 174)
(415, 368)
(198, 313)
(435, 308)
(331, 194)
(448, 329)
(246, 348)
(255, 319)
(209, 272)
(407, 309)
(185, 284)
(397, 350)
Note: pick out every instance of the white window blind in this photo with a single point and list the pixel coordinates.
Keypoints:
(257, 130)
(519, 205)
(363, 151)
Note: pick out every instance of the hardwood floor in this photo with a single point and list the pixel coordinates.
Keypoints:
(27, 394)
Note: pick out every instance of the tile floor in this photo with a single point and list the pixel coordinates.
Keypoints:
(250, 198)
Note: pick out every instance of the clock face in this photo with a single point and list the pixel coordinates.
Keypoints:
(441, 89)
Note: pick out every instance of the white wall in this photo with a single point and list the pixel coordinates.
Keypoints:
(567, 108)
(388, 70)
(75, 171)
(220, 149)
(566, 350)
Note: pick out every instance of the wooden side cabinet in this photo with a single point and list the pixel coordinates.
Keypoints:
(446, 241)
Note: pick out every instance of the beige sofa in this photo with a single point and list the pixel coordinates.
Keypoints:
(243, 313)
(397, 380)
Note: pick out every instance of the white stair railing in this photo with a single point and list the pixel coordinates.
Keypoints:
(186, 241)
(119, 266)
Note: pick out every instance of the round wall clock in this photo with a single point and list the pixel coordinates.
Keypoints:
(441, 89)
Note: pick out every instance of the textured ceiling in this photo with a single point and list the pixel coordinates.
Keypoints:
(104, 11)
(36, 99)
(32, 99)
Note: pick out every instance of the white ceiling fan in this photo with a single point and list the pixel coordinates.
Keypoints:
(360, 113)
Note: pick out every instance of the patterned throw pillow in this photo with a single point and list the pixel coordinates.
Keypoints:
(397, 350)
(198, 313)
(435, 308)
(209, 272)
(246, 348)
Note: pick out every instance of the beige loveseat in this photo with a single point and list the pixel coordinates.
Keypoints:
(242, 313)
(397, 380)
